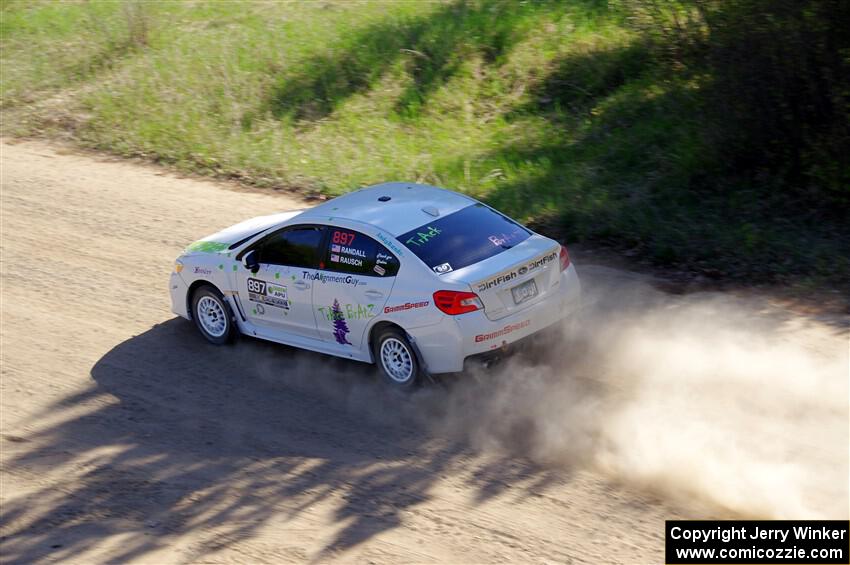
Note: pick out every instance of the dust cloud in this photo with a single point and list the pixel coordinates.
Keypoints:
(700, 397)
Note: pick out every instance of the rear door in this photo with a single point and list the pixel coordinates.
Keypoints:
(277, 296)
(353, 287)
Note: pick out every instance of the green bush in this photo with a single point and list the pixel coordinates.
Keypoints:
(707, 134)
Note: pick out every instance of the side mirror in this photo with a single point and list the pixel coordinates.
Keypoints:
(250, 261)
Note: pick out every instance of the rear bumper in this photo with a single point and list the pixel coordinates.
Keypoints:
(445, 346)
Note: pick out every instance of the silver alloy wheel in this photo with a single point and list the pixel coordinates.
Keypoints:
(211, 315)
(396, 359)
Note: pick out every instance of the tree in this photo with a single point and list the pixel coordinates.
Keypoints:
(340, 327)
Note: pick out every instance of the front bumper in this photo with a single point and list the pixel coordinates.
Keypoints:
(178, 288)
(445, 346)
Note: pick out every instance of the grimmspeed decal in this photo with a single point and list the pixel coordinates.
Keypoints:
(511, 275)
(405, 306)
(267, 293)
(326, 278)
(510, 328)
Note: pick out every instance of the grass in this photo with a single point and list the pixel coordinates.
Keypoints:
(557, 112)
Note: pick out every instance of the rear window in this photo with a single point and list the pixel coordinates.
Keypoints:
(468, 236)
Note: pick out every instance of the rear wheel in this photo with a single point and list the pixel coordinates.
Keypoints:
(212, 315)
(396, 359)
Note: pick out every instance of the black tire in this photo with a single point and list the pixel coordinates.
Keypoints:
(217, 315)
(396, 359)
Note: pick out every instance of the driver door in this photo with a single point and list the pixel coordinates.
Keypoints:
(277, 296)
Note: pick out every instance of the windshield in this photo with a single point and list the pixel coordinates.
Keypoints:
(465, 237)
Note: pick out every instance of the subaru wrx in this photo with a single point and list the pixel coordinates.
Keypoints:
(413, 278)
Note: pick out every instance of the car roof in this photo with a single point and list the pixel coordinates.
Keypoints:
(404, 211)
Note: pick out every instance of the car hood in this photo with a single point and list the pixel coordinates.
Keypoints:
(222, 240)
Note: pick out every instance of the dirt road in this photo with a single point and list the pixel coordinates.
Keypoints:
(126, 438)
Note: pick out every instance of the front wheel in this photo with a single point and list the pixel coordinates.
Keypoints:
(212, 315)
(396, 359)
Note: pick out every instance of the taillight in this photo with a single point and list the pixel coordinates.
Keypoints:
(565, 258)
(454, 302)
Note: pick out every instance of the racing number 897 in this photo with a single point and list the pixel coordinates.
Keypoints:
(256, 286)
(343, 238)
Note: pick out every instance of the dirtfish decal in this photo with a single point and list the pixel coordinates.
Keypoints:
(510, 275)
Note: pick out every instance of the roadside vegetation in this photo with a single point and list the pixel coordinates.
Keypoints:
(710, 136)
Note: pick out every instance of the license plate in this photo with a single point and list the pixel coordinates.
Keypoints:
(525, 291)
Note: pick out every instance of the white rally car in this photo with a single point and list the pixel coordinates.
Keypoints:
(414, 278)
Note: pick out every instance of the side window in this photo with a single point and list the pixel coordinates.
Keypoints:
(352, 252)
(296, 247)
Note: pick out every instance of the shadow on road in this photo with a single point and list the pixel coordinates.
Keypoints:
(177, 436)
(180, 440)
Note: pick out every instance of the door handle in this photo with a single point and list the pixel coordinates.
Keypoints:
(301, 285)
(374, 294)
